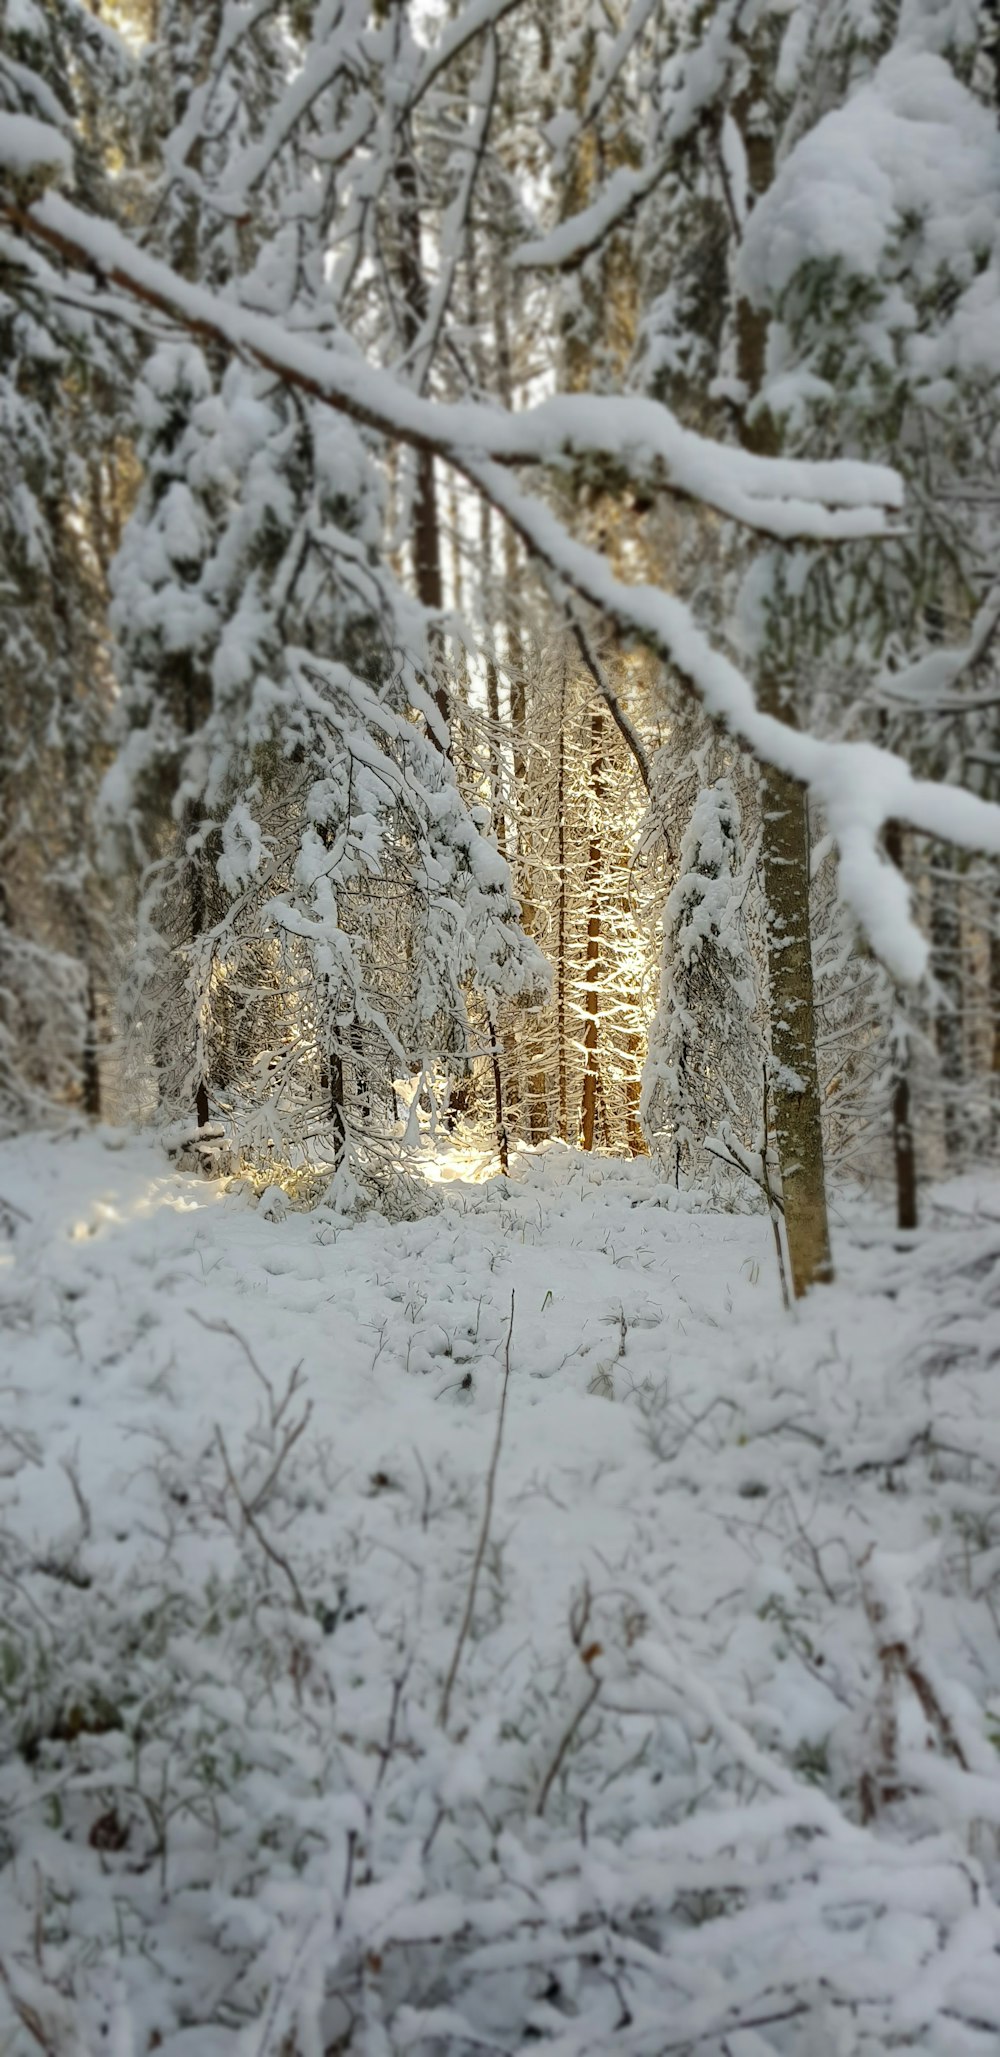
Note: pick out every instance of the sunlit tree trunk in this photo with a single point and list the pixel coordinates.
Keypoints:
(502, 1042)
(795, 1093)
(535, 1083)
(562, 926)
(592, 976)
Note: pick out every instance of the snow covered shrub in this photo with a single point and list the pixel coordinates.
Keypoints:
(307, 1743)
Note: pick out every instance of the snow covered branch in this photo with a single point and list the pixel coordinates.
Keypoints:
(700, 75)
(859, 786)
(635, 438)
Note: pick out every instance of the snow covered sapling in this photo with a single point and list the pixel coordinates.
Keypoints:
(704, 1059)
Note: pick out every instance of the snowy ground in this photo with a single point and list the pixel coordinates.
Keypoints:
(718, 1767)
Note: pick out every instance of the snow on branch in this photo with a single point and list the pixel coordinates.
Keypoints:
(337, 54)
(928, 684)
(699, 77)
(342, 52)
(572, 240)
(238, 21)
(632, 436)
(859, 786)
(473, 20)
(33, 152)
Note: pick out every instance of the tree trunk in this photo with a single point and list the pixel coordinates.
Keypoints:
(949, 1027)
(795, 1094)
(903, 1152)
(426, 526)
(633, 1091)
(338, 1122)
(195, 695)
(562, 935)
(591, 1078)
(785, 840)
(503, 1150)
(536, 1098)
(91, 1070)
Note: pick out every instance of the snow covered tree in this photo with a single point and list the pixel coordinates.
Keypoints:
(710, 104)
(60, 376)
(873, 259)
(706, 1050)
(592, 893)
(751, 116)
(273, 142)
(281, 765)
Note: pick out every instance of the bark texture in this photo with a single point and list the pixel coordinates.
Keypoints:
(795, 1096)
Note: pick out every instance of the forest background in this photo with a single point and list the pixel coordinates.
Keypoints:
(498, 858)
(334, 760)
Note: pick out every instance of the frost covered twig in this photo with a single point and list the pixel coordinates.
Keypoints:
(894, 1621)
(287, 1444)
(71, 1467)
(277, 1403)
(759, 1166)
(270, 1549)
(484, 1535)
(225, 1328)
(588, 1654)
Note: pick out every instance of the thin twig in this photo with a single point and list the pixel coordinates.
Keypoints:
(28, 2016)
(225, 1328)
(484, 1533)
(567, 1737)
(289, 1440)
(625, 726)
(252, 1523)
(771, 1202)
(70, 1465)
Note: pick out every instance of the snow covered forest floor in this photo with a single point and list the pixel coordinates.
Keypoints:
(717, 1770)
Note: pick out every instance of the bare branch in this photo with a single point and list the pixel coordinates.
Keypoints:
(270, 1549)
(607, 692)
(484, 1534)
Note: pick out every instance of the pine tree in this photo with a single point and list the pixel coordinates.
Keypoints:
(873, 341)
(60, 376)
(705, 1047)
(308, 853)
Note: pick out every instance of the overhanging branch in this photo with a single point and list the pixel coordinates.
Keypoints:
(859, 786)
